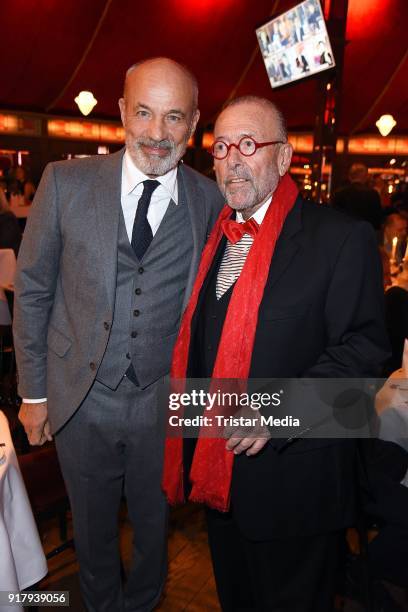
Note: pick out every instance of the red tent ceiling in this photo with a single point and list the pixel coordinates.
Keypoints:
(51, 50)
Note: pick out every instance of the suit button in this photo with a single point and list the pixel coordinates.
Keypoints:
(128, 356)
(133, 334)
(209, 347)
(136, 313)
(138, 291)
(141, 270)
(106, 325)
(92, 365)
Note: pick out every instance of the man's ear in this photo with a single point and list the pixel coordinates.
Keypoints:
(122, 107)
(194, 122)
(285, 157)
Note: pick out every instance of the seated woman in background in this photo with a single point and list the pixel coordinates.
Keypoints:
(20, 184)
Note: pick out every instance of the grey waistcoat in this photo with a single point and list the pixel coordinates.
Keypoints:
(148, 300)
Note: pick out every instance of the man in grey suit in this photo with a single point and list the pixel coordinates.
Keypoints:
(106, 266)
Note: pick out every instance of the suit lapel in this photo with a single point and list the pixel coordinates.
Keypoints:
(214, 266)
(192, 195)
(107, 195)
(287, 245)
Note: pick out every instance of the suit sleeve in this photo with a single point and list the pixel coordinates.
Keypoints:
(357, 342)
(35, 284)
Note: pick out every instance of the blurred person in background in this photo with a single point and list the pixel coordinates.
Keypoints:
(399, 199)
(385, 260)
(382, 189)
(396, 311)
(20, 184)
(358, 199)
(395, 226)
(10, 233)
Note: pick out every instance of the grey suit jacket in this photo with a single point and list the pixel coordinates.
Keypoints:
(66, 275)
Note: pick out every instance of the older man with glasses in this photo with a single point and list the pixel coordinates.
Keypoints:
(285, 289)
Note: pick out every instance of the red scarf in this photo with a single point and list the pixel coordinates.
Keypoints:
(211, 470)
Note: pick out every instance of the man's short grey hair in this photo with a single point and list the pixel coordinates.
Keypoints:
(267, 104)
(184, 69)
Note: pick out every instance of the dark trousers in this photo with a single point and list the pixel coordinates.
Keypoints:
(281, 575)
(114, 445)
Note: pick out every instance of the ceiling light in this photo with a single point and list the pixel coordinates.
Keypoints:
(385, 124)
(85, 101)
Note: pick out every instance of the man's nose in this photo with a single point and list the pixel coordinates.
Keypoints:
(234, 157)
(157, 129)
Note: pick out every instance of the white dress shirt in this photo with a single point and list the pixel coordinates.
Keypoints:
(131, 192)
(258, 215)
(132, 189)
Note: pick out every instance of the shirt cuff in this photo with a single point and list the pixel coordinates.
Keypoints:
(34, 401)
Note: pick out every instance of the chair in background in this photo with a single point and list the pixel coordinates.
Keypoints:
(46, 491)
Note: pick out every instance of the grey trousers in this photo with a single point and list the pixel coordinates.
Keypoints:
(113, 445)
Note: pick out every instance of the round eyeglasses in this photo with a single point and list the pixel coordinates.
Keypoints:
(247, 146)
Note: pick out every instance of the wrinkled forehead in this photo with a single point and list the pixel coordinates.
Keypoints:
(161, 80)
(247, 119)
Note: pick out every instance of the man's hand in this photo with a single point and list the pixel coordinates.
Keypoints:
(34, 418)
(247, 438)
(251, 445)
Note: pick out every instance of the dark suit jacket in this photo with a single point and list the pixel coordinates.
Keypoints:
(321, 316)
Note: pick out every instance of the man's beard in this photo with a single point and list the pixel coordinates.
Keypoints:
(256, 192)
(253, 194)
(155, 165)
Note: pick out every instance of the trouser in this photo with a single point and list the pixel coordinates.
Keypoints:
(113, 445)
(281, 575)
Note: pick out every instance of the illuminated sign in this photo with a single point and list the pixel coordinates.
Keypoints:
(24, 126)
(85, 130)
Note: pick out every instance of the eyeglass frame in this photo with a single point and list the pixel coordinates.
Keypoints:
(258, 145)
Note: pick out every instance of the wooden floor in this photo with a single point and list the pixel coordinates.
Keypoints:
(190, 585)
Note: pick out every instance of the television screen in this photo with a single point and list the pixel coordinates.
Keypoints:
(295, 44)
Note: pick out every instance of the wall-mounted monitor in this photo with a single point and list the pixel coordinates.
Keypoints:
(295, 44)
